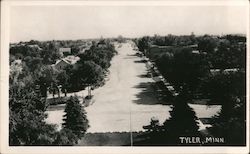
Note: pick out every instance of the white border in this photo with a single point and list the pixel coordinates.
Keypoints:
(5, 8)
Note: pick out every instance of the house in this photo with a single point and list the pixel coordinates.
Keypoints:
(61, 64)
(64, 51)
(35, 46)
(67, 61)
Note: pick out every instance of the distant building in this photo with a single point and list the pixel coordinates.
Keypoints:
(195, 52)
(193, 46)
(61, 64)
(64, 51)
(35, 46)
(67, 61)
(217, 71)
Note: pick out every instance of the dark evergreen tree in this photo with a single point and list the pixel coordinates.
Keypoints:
(183, 121)
(152, 135)
(75, 117)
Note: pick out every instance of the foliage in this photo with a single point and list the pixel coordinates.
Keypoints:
(153, 134)
(143, 44)
(100, 53)
(228, 89)
(228, 55)
(120, 39)
(92, 67)
(223, 85)
(28, 87)
(182, 121)
(207, 43)
(230, 123)
(75, 118)
(65, 137)
(184, 69)
(190, 74)
(27, 126)
(47, 78)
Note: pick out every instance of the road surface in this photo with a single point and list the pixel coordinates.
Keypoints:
(123, 103)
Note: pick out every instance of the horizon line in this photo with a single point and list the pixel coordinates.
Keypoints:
(97, 38)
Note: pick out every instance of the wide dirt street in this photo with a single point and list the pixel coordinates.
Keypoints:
(123, 103)
(127, 101)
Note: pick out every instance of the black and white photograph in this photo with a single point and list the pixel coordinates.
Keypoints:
(116, 74)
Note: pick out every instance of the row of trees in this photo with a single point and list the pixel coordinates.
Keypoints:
(222, 51)
(89, 71)
(190, 74)
(92, 68)
(185, 40)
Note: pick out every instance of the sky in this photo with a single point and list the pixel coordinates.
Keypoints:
(81, 22)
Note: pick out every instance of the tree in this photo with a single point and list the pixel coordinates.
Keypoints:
(153, 134)
(90, 74)
(101, 55)
(207, 43)
(121, 39)
(185, 70)
(228, 90)
(75, 118)
(54, 89)
(47, 78)
(26, 120)
(63, 80)
(183, 121)
(143, 44)
(65, 137)
(230, 123)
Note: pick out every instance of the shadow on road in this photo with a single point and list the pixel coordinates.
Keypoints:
(146, 75)
(151, 94)
(140, 61)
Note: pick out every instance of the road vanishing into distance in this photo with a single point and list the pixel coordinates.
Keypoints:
(128, 100)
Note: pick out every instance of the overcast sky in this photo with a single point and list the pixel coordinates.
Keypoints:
(79, 22)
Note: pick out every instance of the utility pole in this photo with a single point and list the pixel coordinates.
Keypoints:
(131, 134)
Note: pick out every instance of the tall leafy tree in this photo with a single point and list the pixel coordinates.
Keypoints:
(27, 125)
(89, 74)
